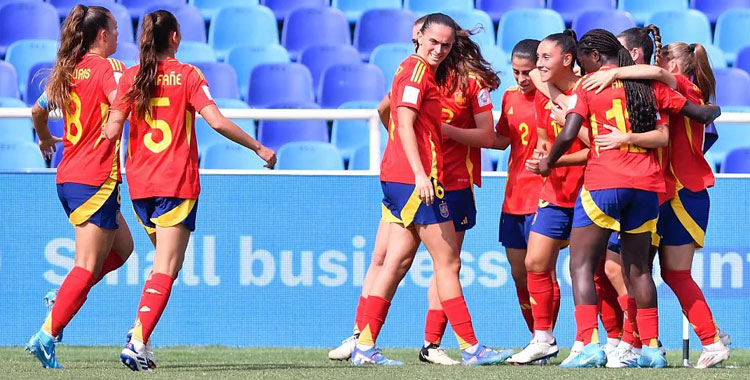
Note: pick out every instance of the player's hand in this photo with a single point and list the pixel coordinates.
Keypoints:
(48, 146)
(599, 80)
(544, 167)
(612, 140)
(716, 112)
(424, 188)
(268, 155)
(532, 164)
(558, 114)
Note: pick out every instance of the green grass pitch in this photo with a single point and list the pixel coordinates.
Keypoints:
(215, 362)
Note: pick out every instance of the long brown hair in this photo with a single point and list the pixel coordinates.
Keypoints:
(693, 62)
(156, 31)
(78, 34)
(638, 37)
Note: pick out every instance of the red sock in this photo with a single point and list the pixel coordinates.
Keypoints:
(360, 314)
(555, 301)
(693, 304)
(376, 309)
(610, 312)
(435, 325)
(627, 327)
(541, 295)
(458, 314)
(71, 296)
(523, 301)
(586, 324)
(648, 326)
(633, 317)
(153, 302)
(112, 262)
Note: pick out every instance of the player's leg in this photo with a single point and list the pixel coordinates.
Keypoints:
(513, 236)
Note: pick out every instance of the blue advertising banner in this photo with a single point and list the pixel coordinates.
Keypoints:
(278, 260)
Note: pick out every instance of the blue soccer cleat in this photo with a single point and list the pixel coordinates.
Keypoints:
(133, 359)
(149, 353)
(485, 356)
(651, 357)
(42, 346)
(372, 356)
(591, 356)
(49, 300)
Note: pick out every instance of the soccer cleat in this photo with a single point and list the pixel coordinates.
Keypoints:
(485, 356)
(591, 356)
(622, 357)
(372, 356)
(42, 346)
(607, 348)
(725, 338)
(345, 350)
(710, 358)
(662, 348)
(535, 351)
(435, 355)
(651, 357)
(574, 351)
(149, 350)
(49, 300)
(134, 360)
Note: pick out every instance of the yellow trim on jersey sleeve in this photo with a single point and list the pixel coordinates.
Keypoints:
(578, 82)
(596, 214)
(176, 215)
(200, 73)
(418, 73)
(687, 221)
(81, 214)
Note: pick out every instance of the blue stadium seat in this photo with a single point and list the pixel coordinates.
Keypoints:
(569, 9)
(230, 156)
(643, 9)
(612, 20)
(495, 57)
(686, 26)
(348, 135)
(732, 87)
(486, 161)
(207, 136)
(712, 8)
(39, 21)
(190, 18)
(24, 54)
(506, 80)
(716, 56)
(15, 129)
(275, 133)
(380, 26)
(741, 62)
(514, 26)
(279, 82)
(221, 78)
(194, 51)
(37, 81)
(502, 161)
(17, 156)
(477, 20)
(8, 80)
(731, 135)
(388, 56)
(319, 57)
(137, 7)
(244, 59)
(360, 159)
(731, 34)
(124, 22)
(64, 6)
(496, 8)
(282, 8)
(126, 51)
(307, 26)
(353, 9)
(230, 27)
(309, 155)
(345, 82)
(737, 161)
(423, 7)
(210, 7)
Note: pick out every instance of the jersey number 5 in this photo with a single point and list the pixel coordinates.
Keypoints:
(161, 125)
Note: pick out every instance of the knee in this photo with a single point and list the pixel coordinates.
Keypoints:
(612, 269)
(519, 276)
(398, 267)
(674, 277)
(378, 257)
(450, 265)
(535, 264)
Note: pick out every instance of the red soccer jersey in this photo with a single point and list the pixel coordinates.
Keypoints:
(88, 158)
(518, 123)
(462, 164)
(163, 154)
(414, 87)
(561, 187)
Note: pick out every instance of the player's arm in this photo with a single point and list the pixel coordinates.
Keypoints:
(500, 142)
(577, 158)
(563, 141)
(113, 129)
(480, 137)
(704, 114)
(601, 79)
(232, 131)
(40, 117)
(406, 118)
(656, 138)
(548, 89)
(384, 111)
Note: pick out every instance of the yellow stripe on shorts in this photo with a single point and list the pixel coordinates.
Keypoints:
(176, 215)
(81, 214)
(596, 214)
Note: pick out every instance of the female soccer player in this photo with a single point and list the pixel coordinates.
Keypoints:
(414, 195)
(83, 85)
(162, 95)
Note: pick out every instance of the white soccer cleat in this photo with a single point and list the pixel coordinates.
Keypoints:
(149, 350)
(574, 351)
(535, 351)
(622, 357)
(134, 359)
(436, 355)
(608, 348)
(345, 350)
(710, 358)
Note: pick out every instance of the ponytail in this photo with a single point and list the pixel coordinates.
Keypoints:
(657, 44)
(638, 38)
(693, 63)
(567, 41)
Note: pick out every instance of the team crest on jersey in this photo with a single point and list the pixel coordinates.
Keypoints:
(444, 209)
(459, 98)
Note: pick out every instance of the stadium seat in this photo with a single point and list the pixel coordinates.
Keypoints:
(282, 8)
(716, 56)
(244, 59)
(360, 159)
(18, 156)
(737, 161)
(388, 57)
(741, 62)
(309, 155)
(514, 26)
(37, 81)
(210, 7)
(686, 26)
(502, 161)
(190, 18)
(346, 82)
(64, 6)
(124, 22)
(569, 9)
(137, 7)
(731, 135)
(8, 80)
(24, 54)
(15, 129)
(230, 156)
(643, 9)
(126, 51)
(221, 78)
(495, 57)
(275, 133)
(353, 9)
(348, 135)
(423, 7)
(307, 26)
(207, 136)
(496, 8)
(732, 87)
(476, 20)
(279, 82)
(506, 80)
(38, 21)
(380, 26)
(319, 57)
(612, 20)
(194, 51)
(731, 33)
(713, 9)
(486, 161)
(230, 27)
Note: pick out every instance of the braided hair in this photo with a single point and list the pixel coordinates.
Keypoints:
(639, 94)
